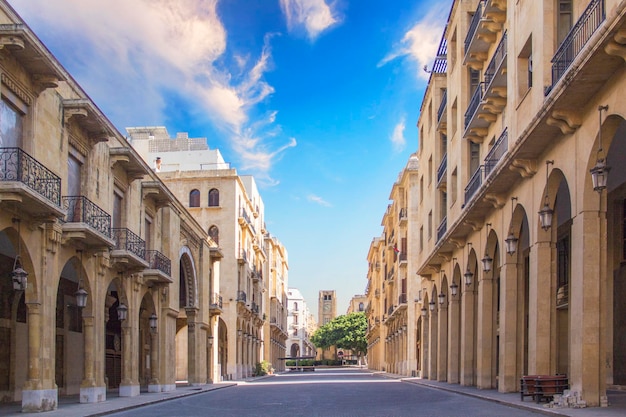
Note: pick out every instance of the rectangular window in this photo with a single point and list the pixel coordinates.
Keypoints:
(564, 20)
(148, 231)
(430, 224)
(117, 210)
(421, 238)
(73, 176)
(525, 69)
(430, 170)
(10, 125)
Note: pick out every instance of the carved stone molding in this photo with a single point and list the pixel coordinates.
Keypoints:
(16, 89)
(497, 200)
(525, 167)
(567, 121)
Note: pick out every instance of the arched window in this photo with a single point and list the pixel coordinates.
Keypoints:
(214, 233)
(295, 306)
(214, 197)
(361, 307)
(194, 198)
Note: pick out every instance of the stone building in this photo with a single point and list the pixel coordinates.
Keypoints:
(105, 275)
(522, 197)
(276, 302)
(300, 326)
(391, 286)
(230, 209)
(357, 303)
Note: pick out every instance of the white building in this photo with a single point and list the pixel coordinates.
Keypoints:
(300, 325)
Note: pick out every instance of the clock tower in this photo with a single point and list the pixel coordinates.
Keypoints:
(327, 306)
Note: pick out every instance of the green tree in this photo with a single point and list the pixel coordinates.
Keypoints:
(344, 332)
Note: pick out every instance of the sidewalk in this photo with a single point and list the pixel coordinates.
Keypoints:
(616, 408)
(70, 407)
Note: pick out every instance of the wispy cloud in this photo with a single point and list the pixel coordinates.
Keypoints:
(420, 42)
(152, 50)
(318, 200)
(312, 16)
(397, 136)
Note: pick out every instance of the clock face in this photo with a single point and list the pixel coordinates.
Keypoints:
(326, 307)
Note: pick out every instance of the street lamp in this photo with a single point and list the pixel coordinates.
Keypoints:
(454, 289)
(600, 172)
(122, 312)
(18, 274)
(152, 320)
(80, 294)
(545, 214)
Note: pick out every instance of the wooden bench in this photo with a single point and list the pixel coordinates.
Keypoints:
(542, 387)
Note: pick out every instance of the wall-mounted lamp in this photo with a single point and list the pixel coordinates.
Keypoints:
(545, 214)
(210, 340)
(487, 260)
(454, 289)
(424, 311)
(600, 172)
(152, 320)
(122, 312)
(441, 297)
(80, 294)
(511, 241)
(431, 305)
(19, 276)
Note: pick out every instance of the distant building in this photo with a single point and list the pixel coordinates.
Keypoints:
(357, 304)
(300, 324)
(327, 306)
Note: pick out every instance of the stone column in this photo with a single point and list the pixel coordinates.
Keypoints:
(35, 396)
(192, 347)
(485, 322)
(467, 337)
(510, 344)
(442, 343)
(586, 302)
(154, 385)
(433, 351)
(128, 388)
(453, 340)
(425, 355)
(89, 391)
(540, 314)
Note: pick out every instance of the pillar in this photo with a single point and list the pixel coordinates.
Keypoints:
(540, 317)
(484, 342)
(510, 324)
(154, 385)
(90, 392)
(128, 388)
(432, 356)
(442, 343)
(468, 321)
(193, 367)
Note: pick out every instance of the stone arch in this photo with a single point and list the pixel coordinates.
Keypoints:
(188, 277)
(294, 350)
(113, 297)
(147, 356)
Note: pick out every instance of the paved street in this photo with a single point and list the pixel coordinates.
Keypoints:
(327, 393)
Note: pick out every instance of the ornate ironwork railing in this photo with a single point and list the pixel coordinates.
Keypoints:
(474, 25)
(474, 184)
(127, 240)
(216, 301)
(158, 261)
(255, 307)
(576, 39)
(441, 229)
(477, 97)
(80, 209)
(17, 165)
(499, 56)
(442, 105)
(241, 296)
(443, 166)
(496, 152)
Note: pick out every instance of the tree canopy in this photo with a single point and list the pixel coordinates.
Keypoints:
(344, 332)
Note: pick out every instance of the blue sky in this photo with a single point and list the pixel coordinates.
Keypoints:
(317, 99)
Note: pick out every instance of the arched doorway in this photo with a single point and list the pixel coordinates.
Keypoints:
(147, 352)
(295, 350)
(113, 334)
(223, 350)
(186, 314)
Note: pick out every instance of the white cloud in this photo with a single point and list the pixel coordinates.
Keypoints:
(314, 16)
(318, 200)
(131, 55)
(397, 136)
(421, 41)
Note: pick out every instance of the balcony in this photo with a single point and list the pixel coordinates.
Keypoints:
(478, 117)
(391, 275)
(403, 216)
(257, 275)
(442, 178)
(216, 306)
(377, 293)
(576, 39)
(485, 24)
(243, 256)
(495, 73)
(499, 148)
(441, 112)
(159, 267)
(129, 250)
(255, 308)
(441, 229)
(241, 296)
(474, 184)
(28, 184)
(244, 219)
(402, 258)
(402, 299)
(86, 222)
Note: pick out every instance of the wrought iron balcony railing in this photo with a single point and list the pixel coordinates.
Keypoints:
(82, 210)
(156, 260)
(402, 257)
(496, 152)
(474, 25)
(255, 307)
(442, 105)
(17, 165)
(576, 39)
(498, 58)
(477, 98)
(402, 298)
(474, 184)
(216, 301)
(241, 296)
(443, 166)
(403, 214)
(126, 240)
(442, 228)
